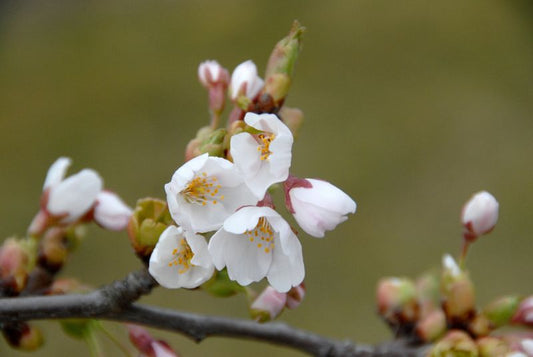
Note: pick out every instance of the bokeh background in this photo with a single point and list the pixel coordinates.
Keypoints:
(411, 106)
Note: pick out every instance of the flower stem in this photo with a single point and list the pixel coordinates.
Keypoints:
(464, 252)
(113, 339)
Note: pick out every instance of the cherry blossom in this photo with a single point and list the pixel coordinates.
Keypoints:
(479, 215)
(264, 158)
(245, 81)
(180, 259)
(256, 242)
(205, 191)
(111, 212)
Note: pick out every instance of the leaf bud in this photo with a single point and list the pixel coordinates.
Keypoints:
(396, 298)
(501, 310)
(457, 292)
(23, 336)
(455, 343)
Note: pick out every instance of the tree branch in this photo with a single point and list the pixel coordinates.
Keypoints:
(115, 302)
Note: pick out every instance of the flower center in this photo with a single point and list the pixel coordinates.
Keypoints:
(264, 145)
(203, 189)
(182, 257)
(262, 235)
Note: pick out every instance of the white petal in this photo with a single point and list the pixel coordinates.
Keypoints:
(199, 248)
(75, 195)
(217, 245)
(111, 212)
(245, 72)
(161, 350)
(325, 195)
(243, 148)
(286, 270)
(246, 219)
(56, 172)
(245, 262)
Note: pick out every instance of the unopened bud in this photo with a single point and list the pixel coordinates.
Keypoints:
(53, 250)
(492, 347)
(457, 291)
(22, 336)
(455, 343)
(14, 267)
(397, 302)
(268, 305)
(527, 346)
(293, 118)
(193, 147)
(524, 313)
(479, 215)
(432, 326)
(280, 66)
(428, 293)
(480, 326)
(295, 296)
(147, 345)
(67, 286)
(213, 144)
(501, 311)
(150, 218)
(216, 79)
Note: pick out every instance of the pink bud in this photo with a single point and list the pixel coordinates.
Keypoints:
(524, 314)
(147, 345)
(317, 205)
(211, 73)
(479, 215)
(268, 305)
(111, 212)
(295, 296)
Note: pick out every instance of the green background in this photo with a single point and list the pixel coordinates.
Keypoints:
(410, 107)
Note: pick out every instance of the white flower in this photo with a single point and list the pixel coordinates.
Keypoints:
(256, 242)
(317, 205)
(180, 259)
(211, 72)
(245, 81)
(264, 159)
(111, 212)
(70, 198)
(204, 192)
(479, 214)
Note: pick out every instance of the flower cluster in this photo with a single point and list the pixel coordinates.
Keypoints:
(252, 240)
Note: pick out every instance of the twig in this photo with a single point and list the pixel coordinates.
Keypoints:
(115, 302)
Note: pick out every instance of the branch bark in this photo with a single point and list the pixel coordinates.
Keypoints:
(116, 302)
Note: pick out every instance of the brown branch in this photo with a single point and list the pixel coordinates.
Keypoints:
(115, 302)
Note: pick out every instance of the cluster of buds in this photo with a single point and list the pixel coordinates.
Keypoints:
(223, 188)
(441, 309)
(29, 265)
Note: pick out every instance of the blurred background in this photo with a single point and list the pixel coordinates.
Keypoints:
(410, 107)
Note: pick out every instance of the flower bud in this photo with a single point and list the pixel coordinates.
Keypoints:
(428, 293)
(293, 118)
(527, 346)
(53, 250)
(479, 215)
(295, 296)
(67, 286)
(455, 343)
(193, 147)
(501, 311)
(150, 218)
(14, 267)
(457, 291)
(268, 305)
(245, 84)
(22, 336)
(432, 326)
(281, 63)
(147, 345)
(110, 212)
(480, 326)
(317, 205)
(492, 347)
(397, 302)
(524, 313)
(211, 73)
(213, 144)
(215, 78)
